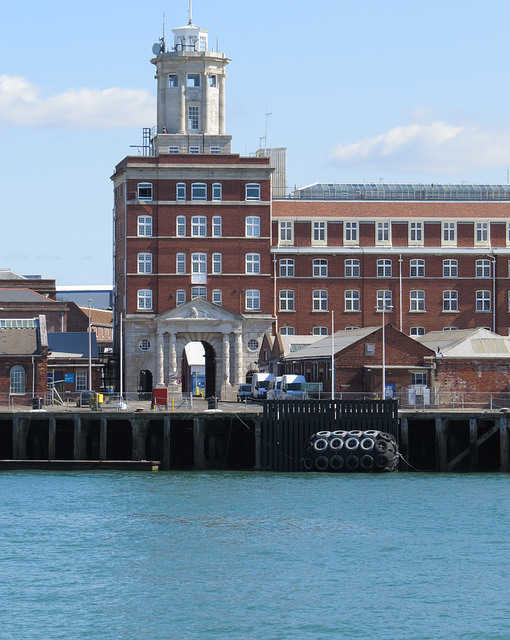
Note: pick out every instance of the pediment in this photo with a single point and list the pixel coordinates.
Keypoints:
(200, 309)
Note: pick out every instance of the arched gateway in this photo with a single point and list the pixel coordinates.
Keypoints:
(156, 343)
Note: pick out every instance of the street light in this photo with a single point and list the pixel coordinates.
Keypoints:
(383, 306)
(90, 345)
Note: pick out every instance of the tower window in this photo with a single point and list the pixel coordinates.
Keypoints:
(173, 81)
(144, 191)
(173, 149)
(193, 118)
(193, 80)
(214, 149)
(212, 81)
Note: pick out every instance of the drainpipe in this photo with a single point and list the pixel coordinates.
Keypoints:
(400, 288)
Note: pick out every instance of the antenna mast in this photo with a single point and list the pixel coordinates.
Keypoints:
(270, 113)
(190, 15)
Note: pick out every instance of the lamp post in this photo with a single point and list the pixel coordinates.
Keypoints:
(381, 306)
(90, 345)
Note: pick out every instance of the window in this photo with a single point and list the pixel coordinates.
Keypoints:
(144, 299)
(193, 80)
(145, 225)
(180, 263)
(180, 297)
(198, 191)
(286, 232)
(214, 149)
(419, 378)
(144, 345)
(350, 233)
(192, 119)
(199, 226)
(145, 263)
(382, 234)
(352, 269)
(417, 299)
(384, 300)
(286, 268)
(198, 292)
(252, 191)
(252, 263)
(80, 380)
(320, 331)
(173, 149)
(319, 232)
(253, 227)
(481, 233)
(194, 149)
(417, 331)
(199, 263)
(483, 268)
(252, 300)
(320, 300)
(216, 262)
(144, 191)
(417, 269)
(320, 268)
(450, 328)
(483, 300)
(173, 81)
(384, 268)
(352, 300)
(17, 379)
(216, 191)
(180, 191)
(449, 233)
(286, 297)
(450, 300)
(287, 331)
(450, 269)
(216, 227)
(216, 296)
(212, 81)
(416, 233)
(181, 226)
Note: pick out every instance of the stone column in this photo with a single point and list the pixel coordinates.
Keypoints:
(221, 106)
(226, 359)
(52, 436)
(205, 106)
(161, 359)
(172, 353)
(239, 358)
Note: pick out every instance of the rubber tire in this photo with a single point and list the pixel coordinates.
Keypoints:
(367, 444)
(307, 464)
(336, 463)
(366, 462)
(381, 446)
(321, 444)
(323, 434)
(351, 463)
(386, 436)
(340, 434)
(321, 463)
(351, 447)
(381, 462)
(356, 433)
(372, 432)
(335, 444)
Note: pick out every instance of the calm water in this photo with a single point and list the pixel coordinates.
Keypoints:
(254, 556)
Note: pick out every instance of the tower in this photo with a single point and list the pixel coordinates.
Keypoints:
(191, 94)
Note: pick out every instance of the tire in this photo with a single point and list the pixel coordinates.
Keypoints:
(340, 434)
(381, 446)
(321, 444)
(386, 436)
(336, 463)
(372, 432)
(308, 447)
(351, 463)
(308, 464)
(323, 434)
(381, 462)
(356, 433)
(321, 463)
(351, 444)
(335, 444)
(367, 444)
(366, 462)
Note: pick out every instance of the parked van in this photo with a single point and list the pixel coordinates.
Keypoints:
(293, 386)
(275, 386)
(259, 385)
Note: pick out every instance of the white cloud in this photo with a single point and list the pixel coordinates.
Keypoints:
(21, 103)
(438, 147)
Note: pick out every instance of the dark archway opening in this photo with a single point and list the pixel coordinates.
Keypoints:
(210, 370)
(145, 381)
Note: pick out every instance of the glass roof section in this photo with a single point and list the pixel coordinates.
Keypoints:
(385, 191)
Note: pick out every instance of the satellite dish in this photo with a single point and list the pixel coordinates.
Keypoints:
(156, 48)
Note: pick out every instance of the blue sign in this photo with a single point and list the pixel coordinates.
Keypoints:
(69, 377)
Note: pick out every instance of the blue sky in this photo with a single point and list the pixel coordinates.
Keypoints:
(358, 91)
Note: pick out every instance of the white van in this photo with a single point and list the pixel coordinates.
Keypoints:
(275, 386)
(259, 385)
(293, 386)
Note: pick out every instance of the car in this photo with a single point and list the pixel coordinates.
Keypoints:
(243, 392)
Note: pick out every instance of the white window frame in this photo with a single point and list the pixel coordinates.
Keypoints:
(287, 267)
(217, 227)
(352, 300)
(180, 263)
(173, 149)
(198, 191)
(193, 118)
(384, 298)
(144, 262)
(17, 380)
(199, 292)
(482, 233)
(352, 268)
(417, 301)
(144, 300)
(252, 227)
(383, 233)
(417, 268)
(173, 81)
(449, 234)
(217, 297)
(286, 232)
(418, 378)
(198, 226)
(216, 263)
(180, 297)
(198, 264)
(450, 300)
(252, 300)
(194, 149)
(180, 191)
(416, 233)
(351, 233)
(319, 233)
(252, 191)
(483, 301)
(144, 191)
(252, 263)
(145, 226)
(483, 268)
(384, 268)
(320, 268)
(319, 300)
(450, 268)
(217, 192)
(417, 331)
(286, 300)
(214, 149)
(320, 331)
(287, 331)
(180, 226)
(193, 80)
(81, 380)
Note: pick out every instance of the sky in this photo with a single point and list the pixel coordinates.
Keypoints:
(358, 91)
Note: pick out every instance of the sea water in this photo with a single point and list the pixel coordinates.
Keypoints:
(130, 555)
